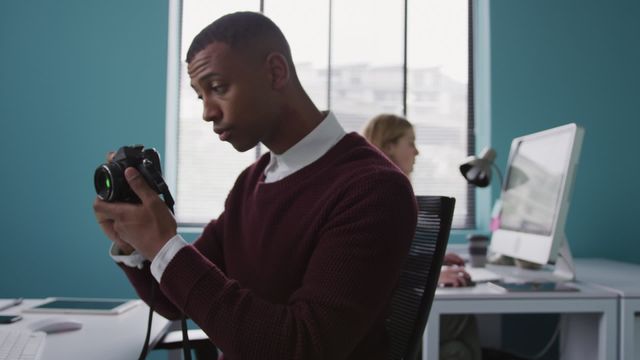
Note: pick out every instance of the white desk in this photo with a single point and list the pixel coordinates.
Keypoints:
(624, 279)
(589, 317)
(102, 337)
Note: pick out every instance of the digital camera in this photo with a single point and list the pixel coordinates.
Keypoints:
(111, 184)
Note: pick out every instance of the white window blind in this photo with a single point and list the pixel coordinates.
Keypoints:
(350, 57)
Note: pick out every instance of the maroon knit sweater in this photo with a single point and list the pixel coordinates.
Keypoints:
(302, 268)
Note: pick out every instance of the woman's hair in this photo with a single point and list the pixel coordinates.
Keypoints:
(386, 129)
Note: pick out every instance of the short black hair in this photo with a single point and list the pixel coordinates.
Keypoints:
(238, 30)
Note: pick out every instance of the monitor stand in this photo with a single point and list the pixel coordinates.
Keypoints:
(564, 268)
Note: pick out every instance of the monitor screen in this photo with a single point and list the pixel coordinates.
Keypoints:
(532, 190)
(536, 194)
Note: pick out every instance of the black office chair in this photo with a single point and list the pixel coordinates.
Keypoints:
(412, 298)
(411, 301)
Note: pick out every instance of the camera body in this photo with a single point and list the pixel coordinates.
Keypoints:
(111, 184)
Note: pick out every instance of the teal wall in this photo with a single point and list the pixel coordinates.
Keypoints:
(555, 62)
(80, 77)
(77, 78)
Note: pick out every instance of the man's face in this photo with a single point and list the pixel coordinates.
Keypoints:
(236, 95)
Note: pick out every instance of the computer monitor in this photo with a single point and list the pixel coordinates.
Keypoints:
(536, 195)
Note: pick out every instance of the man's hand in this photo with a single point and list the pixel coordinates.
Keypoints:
(145, 227)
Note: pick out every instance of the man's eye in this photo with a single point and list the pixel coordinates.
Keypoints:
(219, 88)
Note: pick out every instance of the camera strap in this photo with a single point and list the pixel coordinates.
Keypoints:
(186, 347)
(158, 182)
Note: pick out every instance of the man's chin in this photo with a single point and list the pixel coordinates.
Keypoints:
(243, 147)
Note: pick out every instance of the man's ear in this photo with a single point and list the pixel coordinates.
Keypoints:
(278, 69)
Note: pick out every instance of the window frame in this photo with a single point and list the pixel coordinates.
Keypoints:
(478, 117)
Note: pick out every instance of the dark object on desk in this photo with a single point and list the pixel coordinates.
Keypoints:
(412, 299)
(111, 184)
(478, 245)
(8, 319)
(532, 286)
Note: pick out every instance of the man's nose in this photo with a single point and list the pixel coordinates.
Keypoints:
(211, 111)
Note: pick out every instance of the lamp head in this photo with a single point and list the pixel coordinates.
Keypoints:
(477, 170)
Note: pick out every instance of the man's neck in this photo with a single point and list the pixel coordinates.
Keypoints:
(297, 122)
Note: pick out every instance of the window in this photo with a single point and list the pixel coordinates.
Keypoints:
(358, 58)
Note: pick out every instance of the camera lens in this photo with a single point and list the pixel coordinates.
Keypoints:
(108, 179)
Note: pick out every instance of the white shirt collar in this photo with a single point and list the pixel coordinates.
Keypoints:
(306, 151)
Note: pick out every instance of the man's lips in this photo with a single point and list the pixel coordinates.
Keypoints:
(223, 133)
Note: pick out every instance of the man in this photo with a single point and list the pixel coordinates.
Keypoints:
(303, 260)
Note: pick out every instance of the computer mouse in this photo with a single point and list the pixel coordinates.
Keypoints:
(55, 325)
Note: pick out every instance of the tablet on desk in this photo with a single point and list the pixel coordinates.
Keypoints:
(84, 306)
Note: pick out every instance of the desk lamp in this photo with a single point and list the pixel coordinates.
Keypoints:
(477, 170)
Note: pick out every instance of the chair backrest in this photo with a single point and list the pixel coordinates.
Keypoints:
(411, 301)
